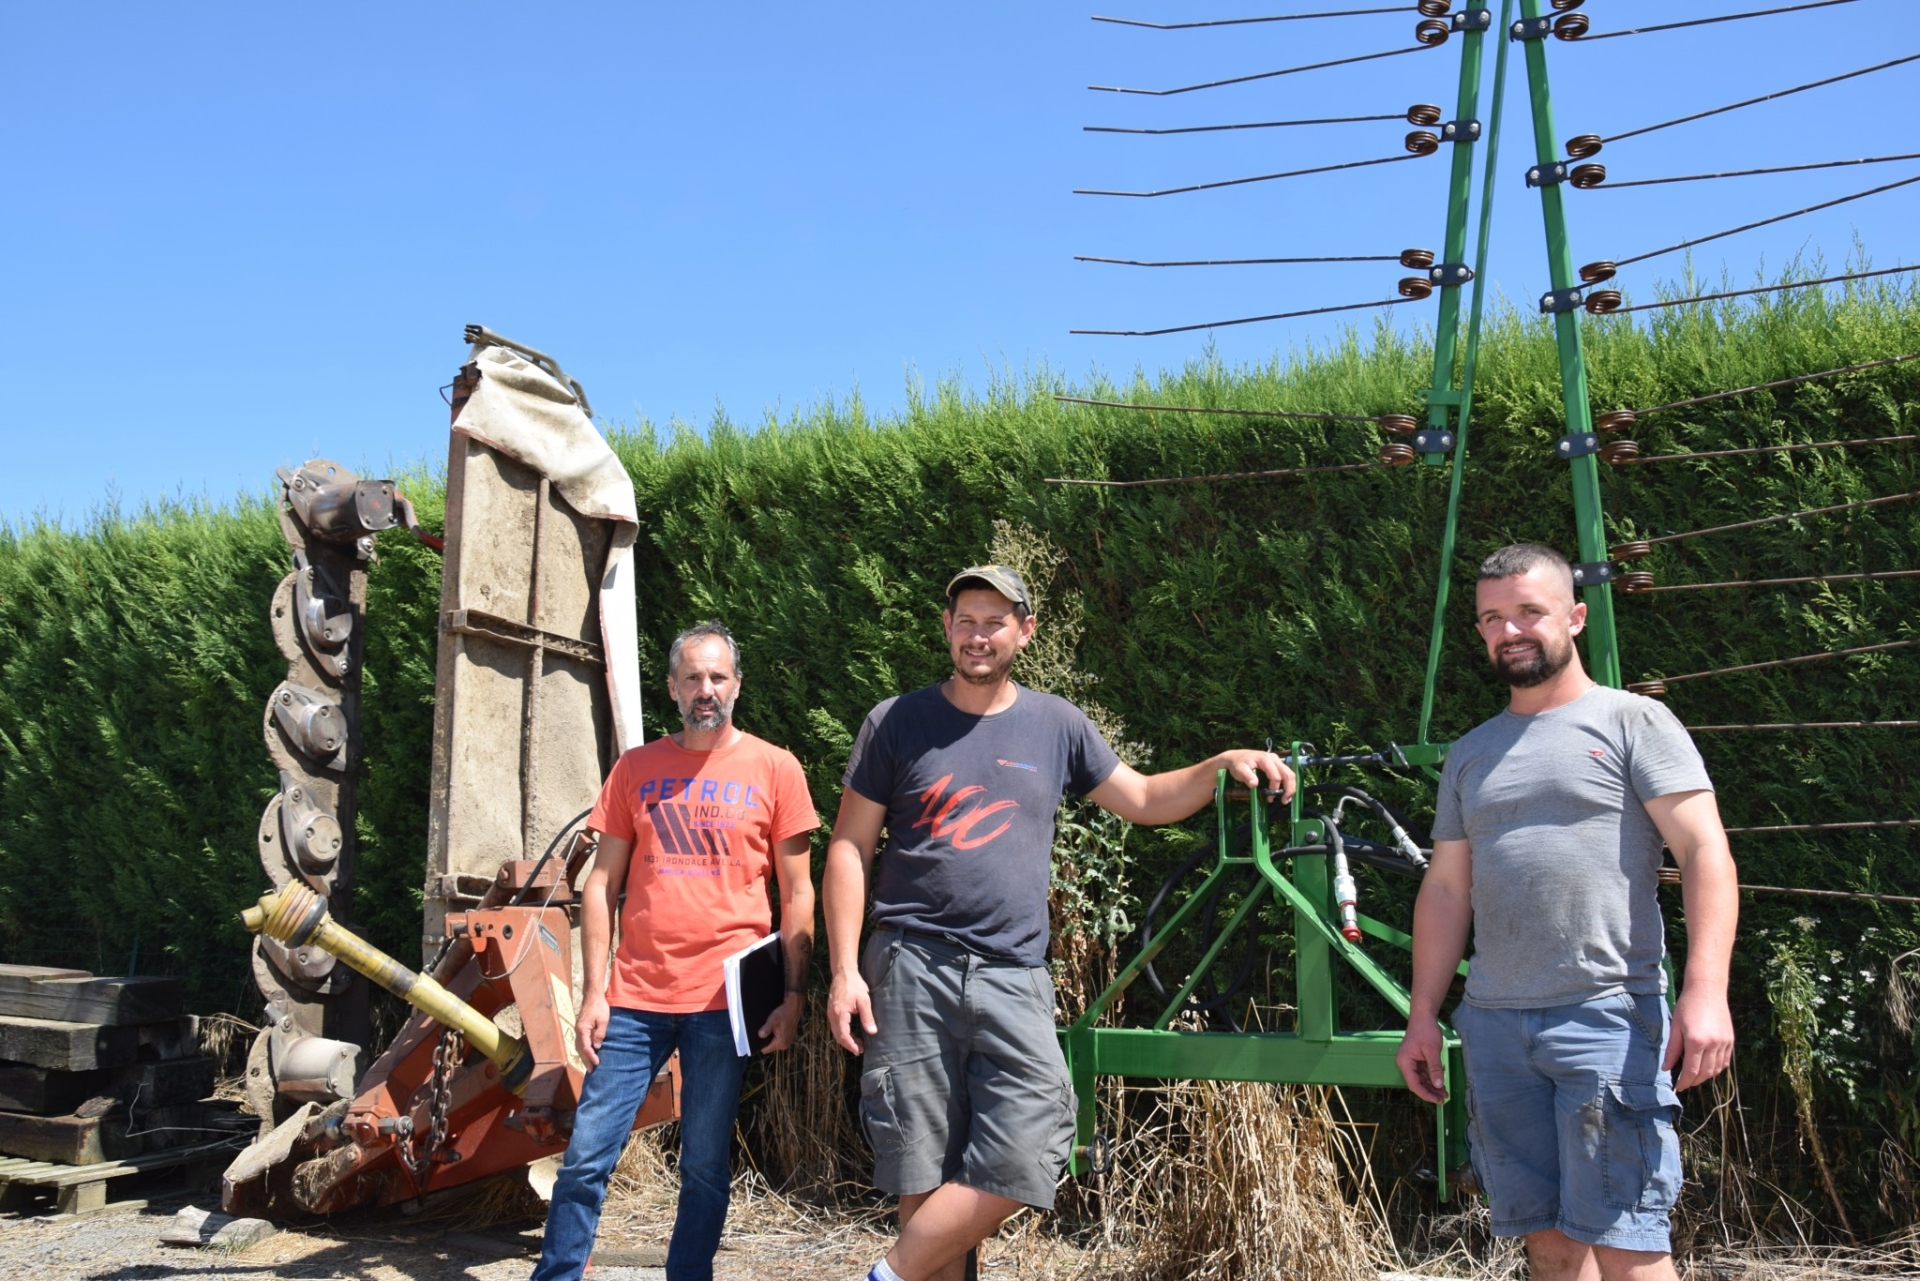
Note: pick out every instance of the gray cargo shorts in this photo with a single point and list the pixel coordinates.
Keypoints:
(964, 1081)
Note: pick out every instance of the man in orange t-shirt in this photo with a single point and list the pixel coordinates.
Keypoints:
(690, 826)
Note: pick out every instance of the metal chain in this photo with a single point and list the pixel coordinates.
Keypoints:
(445, 1060)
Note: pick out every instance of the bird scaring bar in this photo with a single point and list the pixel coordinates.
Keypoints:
(1241, 22)
(1262, 75)
(1242, 320)
(1230, 475)
(1425, 150)
(1241, 413)
(1633, 587)
(1746, 173)
(1702, 22)
(1615, 419)
(1596, 272)
(1783, 725)
(1251, 124)
(1604, 309)
(1589, 144)
(1656, 687)
(1631, 457)
(1640, 546)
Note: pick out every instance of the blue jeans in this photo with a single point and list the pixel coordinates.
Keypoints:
(1572, 1119)
(637, 1043)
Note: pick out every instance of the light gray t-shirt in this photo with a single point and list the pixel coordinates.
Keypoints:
(1565, 856)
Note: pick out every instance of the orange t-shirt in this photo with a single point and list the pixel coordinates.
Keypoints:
(703, 827)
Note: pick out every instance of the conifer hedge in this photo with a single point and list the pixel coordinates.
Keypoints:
(135, 655)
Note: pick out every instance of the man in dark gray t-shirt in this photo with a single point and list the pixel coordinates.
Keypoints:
(1546, 846)
(964, 1094)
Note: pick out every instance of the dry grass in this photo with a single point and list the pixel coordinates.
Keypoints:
(1239, 1179)
(226, 1039)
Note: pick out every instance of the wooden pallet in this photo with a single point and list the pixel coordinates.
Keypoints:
(79, 1188)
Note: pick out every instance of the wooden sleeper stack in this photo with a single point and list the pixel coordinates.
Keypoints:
(95, 1070)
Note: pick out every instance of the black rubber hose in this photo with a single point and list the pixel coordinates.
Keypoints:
(1214, 1000)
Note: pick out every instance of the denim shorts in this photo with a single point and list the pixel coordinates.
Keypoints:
(1571, 1119)
(965, 1081)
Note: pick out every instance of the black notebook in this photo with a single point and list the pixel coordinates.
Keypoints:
(756, 987)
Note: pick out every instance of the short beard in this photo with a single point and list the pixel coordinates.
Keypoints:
(1543, 666)
(999, 672)
(713, 720)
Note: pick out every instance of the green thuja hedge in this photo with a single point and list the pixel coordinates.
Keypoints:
(135, 656)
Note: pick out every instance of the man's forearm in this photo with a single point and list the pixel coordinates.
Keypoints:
(1710, 892)
(843, 886)
(796, 936)
(1441, 921)
(596, 936)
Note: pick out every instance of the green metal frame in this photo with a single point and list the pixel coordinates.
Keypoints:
(1318, 1052)
(1603, 646)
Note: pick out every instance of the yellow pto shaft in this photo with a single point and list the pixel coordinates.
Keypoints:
(298, 917)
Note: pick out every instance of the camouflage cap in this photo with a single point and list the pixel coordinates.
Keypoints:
(998, 577)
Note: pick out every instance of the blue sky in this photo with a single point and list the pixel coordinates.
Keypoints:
(241, 235)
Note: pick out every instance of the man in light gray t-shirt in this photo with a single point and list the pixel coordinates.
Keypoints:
(1547, 843)
(1565, 856)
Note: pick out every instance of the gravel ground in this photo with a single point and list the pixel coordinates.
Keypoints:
(767, 1237)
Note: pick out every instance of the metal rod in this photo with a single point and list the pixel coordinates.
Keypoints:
(1807, 893)
(1763, 289)
(1243, 320)
(536, 669)
(1725, 17)
(1238, 262)
(1231, 475)
(1771, 520)
(1765, 222)
(1765, 97)
(1787, 662)
(1241, 182)
(1782, 382)
(1779, 582)
(1825, 827)
(1236, 22)
(1226, 932)
(1765, 449)
(1262, 75)
(1751, 173)
(1256, 124)
(1721, 729)
(1202, 409)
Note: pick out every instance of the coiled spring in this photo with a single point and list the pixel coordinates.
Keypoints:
(1399, 424)
(1634, 581)
(1602, 301)
(1416, 287)
(1396, 454)
(1595, 273)
(1619, 451)
(1616, 420)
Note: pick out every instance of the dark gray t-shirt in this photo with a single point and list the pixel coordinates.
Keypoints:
(1565, 856)
(970, 803)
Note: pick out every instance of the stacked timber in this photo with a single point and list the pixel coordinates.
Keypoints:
(98, 1069)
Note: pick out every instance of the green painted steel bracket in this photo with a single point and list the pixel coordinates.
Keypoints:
(1443, 576)
(1603, 648)
(1316, 1053)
